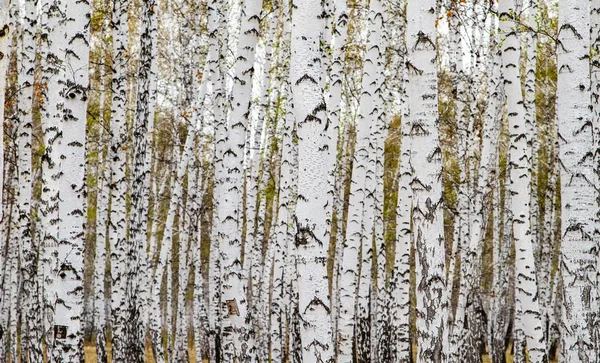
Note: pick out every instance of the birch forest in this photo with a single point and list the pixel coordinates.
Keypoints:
(302, 181)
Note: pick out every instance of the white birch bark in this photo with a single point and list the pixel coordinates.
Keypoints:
(334, 105)
(548, 250)
(594, 8)
(282, 238)
(369, 152)
(117, 157)
(230, 209)
(31, 324)
(101, 303)
(531, 43)
(526, 303)
(66, 259)
(497, 321)
(316, 159)
(200, 323)
(51, 116)
(138, 281)
(218, 37)
(462, 226)
(400, 279)
(165, 252)
(5, 38)
(578, 185)
(10, 278)
(254, 151)
(432, 295)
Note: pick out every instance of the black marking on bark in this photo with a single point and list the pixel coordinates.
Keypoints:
(4, 31)
(317, 302)
(305, 77)
(423, 42)
(573, 30)
(412, 69)
(303, 235)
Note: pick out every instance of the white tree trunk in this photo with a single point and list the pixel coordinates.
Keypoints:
(117, 157)
(101, 303)
(526, 303)
(432, 294)
(316, 159)
(230, 209)
(400, 280)
(216, 71)
(137, 280)
(51, 127)
(67, 258)
(5, 38)
(578, 185)
(31, 326)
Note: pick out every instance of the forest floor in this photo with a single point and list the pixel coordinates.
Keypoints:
(90, 356)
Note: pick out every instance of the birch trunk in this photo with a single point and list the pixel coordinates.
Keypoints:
(578, 185)
(216, 70)
(67, 258)
(101, 303)
(5, 38)
(497, 322)
(51, 116)
(31, 324)
(117, 236)
(138, 282)
(432, 295)
(400, 279)
(531, 43)
(334, 105)
(230, 209)
(526, 303)
(316, 159)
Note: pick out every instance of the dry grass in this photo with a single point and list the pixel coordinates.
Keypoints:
(90, 354)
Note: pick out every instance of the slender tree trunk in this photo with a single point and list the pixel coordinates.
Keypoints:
(51, 116)
(527, 312)
(432, 295)
(578, 186)
(31, 323)
(67, 258)
(217, 49)
(400, 280)
(316, 159)
(101, 303)
(117, 236)
(497, 321)
(230, 211)
(334, 105)
(138, 282)
(5, 38)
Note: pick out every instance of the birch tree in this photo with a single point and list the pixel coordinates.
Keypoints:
(137, 283)
(316, 159)
(31, 327)
(117, 236)
(578, 186)
(217, 31)
(527, 312)
(64, 286)
(5, 32)
(230, 209)
(432, 296)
